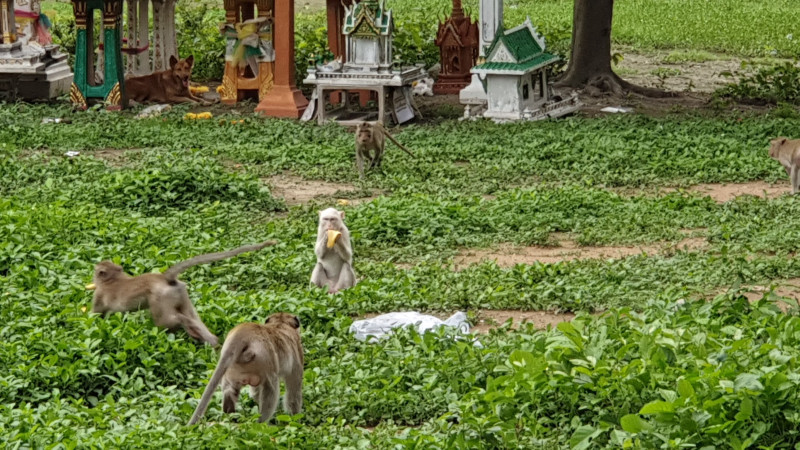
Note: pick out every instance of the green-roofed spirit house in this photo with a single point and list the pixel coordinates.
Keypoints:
(86, 85)
(515, 77)
(368, 65)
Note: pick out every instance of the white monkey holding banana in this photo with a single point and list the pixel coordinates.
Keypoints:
(334, 268)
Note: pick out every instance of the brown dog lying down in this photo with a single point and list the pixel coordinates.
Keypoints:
(167, 86)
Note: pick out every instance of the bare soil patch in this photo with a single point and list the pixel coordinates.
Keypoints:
(650, 70)
(296, 190)
(508, 255)
(789, 289)
(722, 193)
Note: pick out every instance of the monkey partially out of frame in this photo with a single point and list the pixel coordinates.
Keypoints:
(787, 152)
(165, 295)
(259, 356)
(371, 136)
(334, 268)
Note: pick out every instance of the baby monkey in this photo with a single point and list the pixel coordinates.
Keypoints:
(165, 295)
(787, 152)
(371, 136)
(259, 356)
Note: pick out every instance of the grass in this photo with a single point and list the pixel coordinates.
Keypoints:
(648, 373)
(177, 194)
(737, 27)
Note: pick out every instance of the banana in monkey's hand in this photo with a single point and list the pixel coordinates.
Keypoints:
(333, 236)
(90, 287)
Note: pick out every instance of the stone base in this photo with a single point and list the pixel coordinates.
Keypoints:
(474, 94)
(28, 73)
(283, 102)
(548, 110)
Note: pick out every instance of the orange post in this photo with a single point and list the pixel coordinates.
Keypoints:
(284, 99)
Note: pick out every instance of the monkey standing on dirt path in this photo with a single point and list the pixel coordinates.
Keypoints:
(163, 293)
(259, 356)
(334, 267)
(787, 152)
(372, 136)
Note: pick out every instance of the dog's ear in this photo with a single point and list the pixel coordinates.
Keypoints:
(172, 61)
(190, 60)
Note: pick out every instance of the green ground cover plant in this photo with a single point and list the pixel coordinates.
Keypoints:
(738, 27)
(148, 193)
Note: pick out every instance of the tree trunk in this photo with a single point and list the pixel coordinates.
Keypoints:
(590, 63)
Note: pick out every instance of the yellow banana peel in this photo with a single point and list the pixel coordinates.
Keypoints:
(198, 89)
(333, 236)
(90, 287)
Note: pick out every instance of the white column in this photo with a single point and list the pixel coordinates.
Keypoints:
(143, 66)
(158, 37)
(131, 29)
(491, 12)
(170, 37)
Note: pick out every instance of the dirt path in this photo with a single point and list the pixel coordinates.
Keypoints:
(507, 255)
(296, 190)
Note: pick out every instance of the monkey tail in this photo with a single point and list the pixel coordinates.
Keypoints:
(230, 351)
(391, 138)
(172, 273)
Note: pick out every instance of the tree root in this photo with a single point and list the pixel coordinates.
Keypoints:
(611, 82)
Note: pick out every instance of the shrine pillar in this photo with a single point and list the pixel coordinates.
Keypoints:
(491, 12)
(7, 22)
(284, 99)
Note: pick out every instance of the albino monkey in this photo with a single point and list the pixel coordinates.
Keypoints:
(163, 293)
(787, 152)
(334, 267)
(372, 136)
(259, 356)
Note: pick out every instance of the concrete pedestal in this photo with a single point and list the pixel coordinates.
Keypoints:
(32, 72)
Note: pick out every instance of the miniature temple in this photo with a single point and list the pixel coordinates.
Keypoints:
(368, 30)
(31, 67)
(249, 54)
(457, 40)
(366, 64)
(515, 76)
(109, 88)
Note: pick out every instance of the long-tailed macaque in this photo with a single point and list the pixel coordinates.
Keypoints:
(259, 356)
(372, 136)
(787, 152)
(165, 295)
(334, 268)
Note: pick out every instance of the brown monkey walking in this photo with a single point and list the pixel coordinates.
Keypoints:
(372, 136)
(787, 152)
(259, 356)
(165, 295)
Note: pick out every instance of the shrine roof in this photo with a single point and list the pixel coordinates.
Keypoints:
(371, 14)
(509, 68)
(519, 45)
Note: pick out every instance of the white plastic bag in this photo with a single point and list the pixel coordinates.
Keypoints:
(381, 326)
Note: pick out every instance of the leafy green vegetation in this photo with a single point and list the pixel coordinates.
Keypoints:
(148, 193)
(656, 358)
(772, 84)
